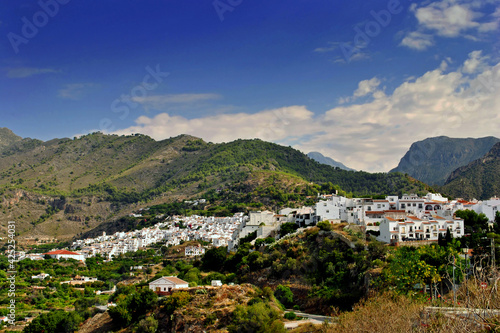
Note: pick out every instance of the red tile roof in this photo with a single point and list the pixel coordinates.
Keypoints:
(62, 252)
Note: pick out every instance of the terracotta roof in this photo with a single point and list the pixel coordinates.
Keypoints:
(438, 217)
(175, 280)
(374, 212)
(62, 252)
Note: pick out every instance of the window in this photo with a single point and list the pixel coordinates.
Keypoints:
(420, 206)
(403, 205)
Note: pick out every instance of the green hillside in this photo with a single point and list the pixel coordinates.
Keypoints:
(116, 174)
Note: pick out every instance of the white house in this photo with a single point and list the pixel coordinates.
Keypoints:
(216, 283)
(40, 276)
(194, 251)
(429, 228)
(334, 209)
(166, 284)
(65, 254)
(266, 217)
(488, 207)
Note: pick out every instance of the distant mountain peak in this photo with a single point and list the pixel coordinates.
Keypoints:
(320, 158)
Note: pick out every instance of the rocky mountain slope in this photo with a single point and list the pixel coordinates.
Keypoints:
(432, 160)
(7, 138)
(479, 179)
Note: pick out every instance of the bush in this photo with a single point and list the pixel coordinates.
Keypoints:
(177, 300)
(256, 318)
(148, 325)
(55, 322)
(290, 316)
(120, 315)
(325, 225)
(284, 295)
(287, 228)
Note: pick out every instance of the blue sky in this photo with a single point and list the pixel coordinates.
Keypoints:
(357, 81)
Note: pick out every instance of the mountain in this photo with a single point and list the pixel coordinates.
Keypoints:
(318, 157)
(432, 160)
(66, 187)
(479, 179)
(7, 138)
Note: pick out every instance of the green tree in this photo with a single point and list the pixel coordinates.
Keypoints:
(213, 259)
(287, 228)
(256, 318)
(325, 225)
(473, 221)
(120, 315)
(55, 322)
(284, 295)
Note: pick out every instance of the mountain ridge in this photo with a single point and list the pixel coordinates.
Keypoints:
(327, 160)
(480, 179)
(433, 159)
(56, 183)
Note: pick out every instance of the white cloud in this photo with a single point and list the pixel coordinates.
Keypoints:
(331, 46)
(23, 72)
(450, 19)
(475, 63)
(160, 101)
(370, 136)
(74, 91)
(418, 41)
(366, 87)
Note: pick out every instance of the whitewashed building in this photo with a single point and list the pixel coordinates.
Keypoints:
(65, 254)
(192, 251)
(166, 284)
(428, 228)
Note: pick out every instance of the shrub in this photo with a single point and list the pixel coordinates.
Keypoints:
(257, 318)
(290, 316)
(284, 295)
(148, 325)
(177, 300)
(324, 225)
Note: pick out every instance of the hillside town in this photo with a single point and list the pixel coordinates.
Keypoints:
(393, 219)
